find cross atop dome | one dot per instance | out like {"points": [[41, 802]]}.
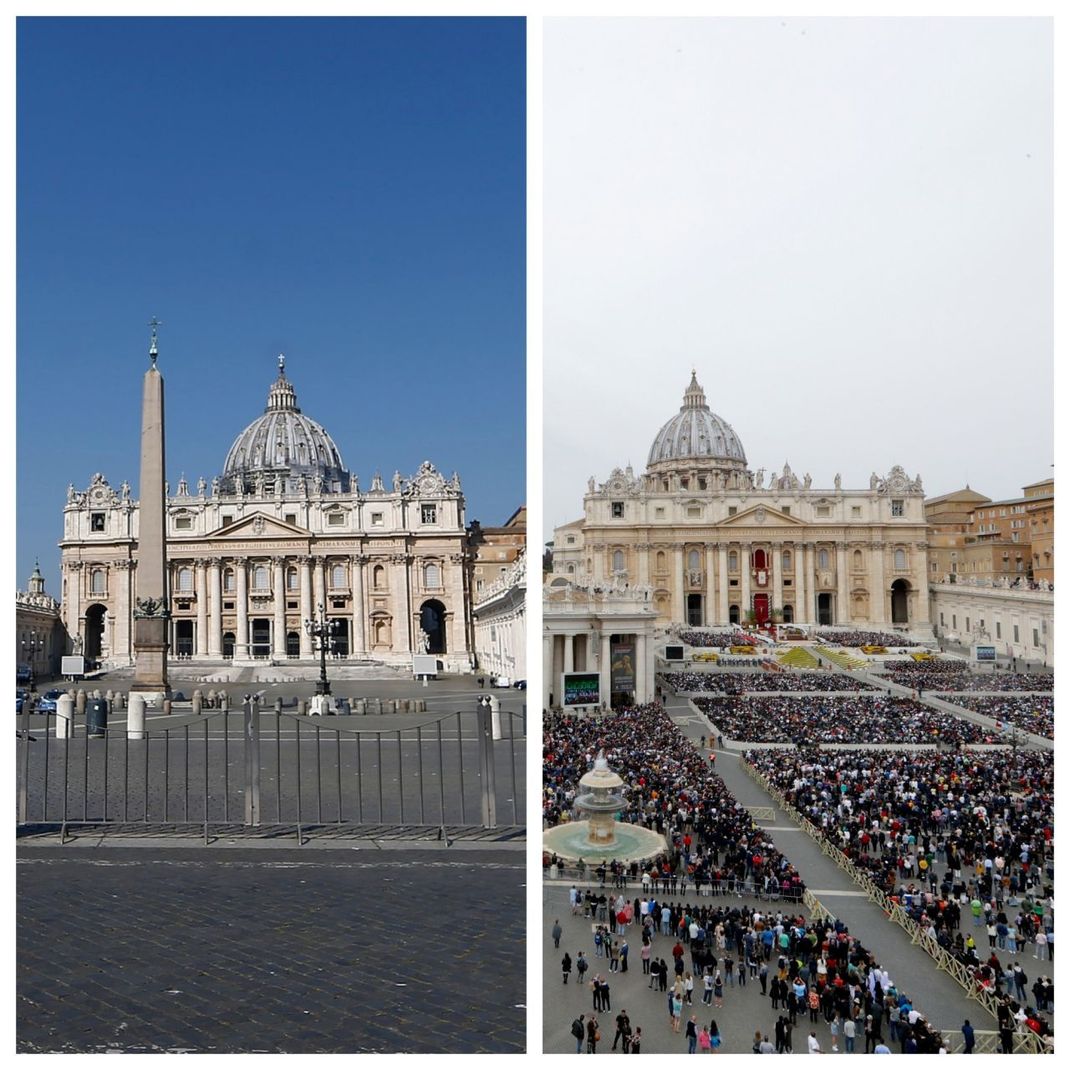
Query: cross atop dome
{"points": [[694, 397]]}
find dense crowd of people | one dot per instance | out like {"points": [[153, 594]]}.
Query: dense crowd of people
{"points": [[833, 637], [740, 683], [716, 639], [867, 718], [1032, 713], [712, 839], [956, 676]]}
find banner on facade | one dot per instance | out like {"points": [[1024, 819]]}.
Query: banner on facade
{"points": [[622, 666], [580, 689]]}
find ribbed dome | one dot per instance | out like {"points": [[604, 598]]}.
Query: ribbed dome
{"points": [[695, 433], [284, 442]]}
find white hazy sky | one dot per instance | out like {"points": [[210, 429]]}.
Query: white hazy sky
{"points": [[845, 226]]}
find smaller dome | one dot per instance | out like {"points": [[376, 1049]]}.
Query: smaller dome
{"points": [[695, 433]]}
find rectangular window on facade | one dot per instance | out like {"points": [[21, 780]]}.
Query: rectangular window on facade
{"points": [[897, 507], [731, 510], [291, 518], [336, 520], [226, 519], [428, 514], [1036, 637], [377, 520], [999, 630], [967, 624], [786, 510], [228, 605], [659, 510], [733, 583], [856, 510], [694, 510], [183, 523], [941, 620], [822, 510], [787, 583], [96, 521], [617, 509], [954, 620], [291, 605], [1016, 633]]}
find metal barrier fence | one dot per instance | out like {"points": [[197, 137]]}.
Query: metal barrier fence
{"points": [[268, 768], [895, 911]]}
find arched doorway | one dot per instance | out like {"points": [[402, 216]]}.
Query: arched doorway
{"points": [[94, 630], [789, 614], [433, 622], [228, 644], [733, 614], [824, 608], [293, 645], [900, 602]]}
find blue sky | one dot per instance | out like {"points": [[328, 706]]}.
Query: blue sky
{"points": [[349, 192]]}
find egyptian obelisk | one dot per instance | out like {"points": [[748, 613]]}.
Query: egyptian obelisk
{"points": [[152, 607]]}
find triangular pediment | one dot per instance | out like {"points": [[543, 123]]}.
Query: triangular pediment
{"points": [[762, 516], [259, 526]]}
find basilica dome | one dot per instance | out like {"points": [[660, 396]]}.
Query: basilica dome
{"points": [[285, 443], [696, 435]]}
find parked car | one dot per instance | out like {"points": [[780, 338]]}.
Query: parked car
{"points": [[521, 685], [47, 702], [21, 694]]}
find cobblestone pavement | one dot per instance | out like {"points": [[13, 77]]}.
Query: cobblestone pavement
{"points": [[143, 949]]}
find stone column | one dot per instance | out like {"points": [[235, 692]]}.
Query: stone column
{"points": [[200, 588], [799, 559], [843, 609], [359, 615], [215, 609], [641, 681], [318, 586], [458, 638], [123, 647], [152, 609], [710, 615], [597, 561], [722, 585], [548, 683], [604, 667], [678, 609], [744, 582], [776, 567], [643, 552], [72, 604], [878, 596], [306, 606], [241, 608], [402, 604], [919, 580], [278, 626], [570, 653]]}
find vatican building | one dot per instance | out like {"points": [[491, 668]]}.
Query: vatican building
{"points": [[709, 541], [283, 530]]}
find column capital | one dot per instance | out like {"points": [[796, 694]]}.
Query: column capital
{"points": [[124, 564], [278, 561], [359, 559]]}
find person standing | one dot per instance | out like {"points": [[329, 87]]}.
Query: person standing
{"points": [[566, 967], [967, 1038], [578, 1032], [813, 1045], [555, 932], [692, 1035], [849, 1029], [834, 1029], [593, 1036], [581, 967], [623, 1028], [637, 1040]]}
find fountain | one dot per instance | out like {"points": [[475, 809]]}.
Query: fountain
{"points": [[600, 837]]}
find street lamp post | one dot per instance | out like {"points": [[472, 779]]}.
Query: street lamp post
{"points": [[30, 649], [322, 630]]}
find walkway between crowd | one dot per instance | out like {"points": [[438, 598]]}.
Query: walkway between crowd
{"points": [[939, 997]]}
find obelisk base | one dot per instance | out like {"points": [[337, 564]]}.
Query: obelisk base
{"points": [[150, 658]]}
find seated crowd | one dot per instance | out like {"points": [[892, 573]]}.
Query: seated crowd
{"points": [[1035, 713], [868, 718], [671, 789], [858, 638], [716, 639], [741, 683], [956, 676]]}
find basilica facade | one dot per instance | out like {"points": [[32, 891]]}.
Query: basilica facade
{"points": [[283, 530], [714, 542]]}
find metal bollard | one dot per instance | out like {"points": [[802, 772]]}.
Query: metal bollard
{"points": [[302, 706], [167, 706], [79, 702]]}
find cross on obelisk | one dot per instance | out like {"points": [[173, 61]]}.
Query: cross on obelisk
{"points": [[152, 607]]}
